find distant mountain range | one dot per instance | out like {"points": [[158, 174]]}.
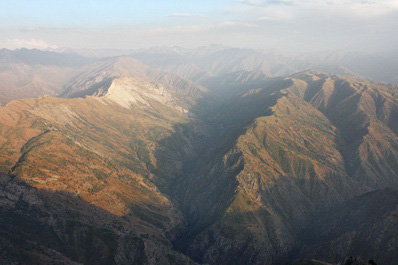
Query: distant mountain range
{"points": [[31, 73], [198, 64], [214, 155]]}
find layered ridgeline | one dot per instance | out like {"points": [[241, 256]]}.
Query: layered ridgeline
{"points": [[77, 174], [125, 81], [203, 64], [136, 166], [30, 73], [280, 154]]}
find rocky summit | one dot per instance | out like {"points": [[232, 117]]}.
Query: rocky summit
{"points": [[128, 164]]}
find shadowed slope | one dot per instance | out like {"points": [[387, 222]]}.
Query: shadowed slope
{"points": [[264, 174], [364, 226], [39, 226]]}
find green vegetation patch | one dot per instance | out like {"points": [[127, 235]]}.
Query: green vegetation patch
{"points": [[233, 224]]}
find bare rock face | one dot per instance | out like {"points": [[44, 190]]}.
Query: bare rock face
{"points": [[127, 82]]}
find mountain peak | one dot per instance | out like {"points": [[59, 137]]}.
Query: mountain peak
{"points": [[96, 77], [122, 65], [310, 72], [127, 82]]}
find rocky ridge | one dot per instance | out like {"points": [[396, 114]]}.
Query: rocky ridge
{"points": [[156, 168]]}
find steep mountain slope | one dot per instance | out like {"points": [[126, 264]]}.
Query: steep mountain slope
{"points": [[31, 73], [40, 226], [136, 166], [83, 173], [365, 226], [125, 81], [284, 152]]}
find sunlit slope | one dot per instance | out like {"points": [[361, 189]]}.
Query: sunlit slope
{"points": [[102, 153], [159, 166], [125, 81]]}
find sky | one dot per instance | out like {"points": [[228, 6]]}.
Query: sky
{"points": [[295, 25]]}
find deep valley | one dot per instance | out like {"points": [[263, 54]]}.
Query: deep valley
{"points": [[193, 163]]}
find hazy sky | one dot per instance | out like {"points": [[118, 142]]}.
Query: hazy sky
{"points": [[263, 24]]}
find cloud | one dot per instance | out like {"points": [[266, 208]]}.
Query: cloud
{"points": [[338, 10], [229, 23], [187, 15], [51, 30], [23, 43], [27, 29], [258, 3], [285, 24], [268, 18], [359, 8], [201, 28]]}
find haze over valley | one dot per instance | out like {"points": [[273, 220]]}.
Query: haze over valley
{"points": [[142, 145]]}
